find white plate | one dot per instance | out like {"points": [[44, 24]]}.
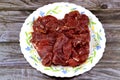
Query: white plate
{"points": [[97, 43]]}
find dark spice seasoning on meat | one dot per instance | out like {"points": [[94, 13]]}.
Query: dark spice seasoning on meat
{"points": [[62, 42]]}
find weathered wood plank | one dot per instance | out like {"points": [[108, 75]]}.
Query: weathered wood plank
{"points": [[112, 32], [10, 52], [13, 16], [22, 74], [20, 16], [34, 4], [11, 56], [32, 74], [9, 32], [111, 56], [9, 36], [108, 16], [10, 26]]}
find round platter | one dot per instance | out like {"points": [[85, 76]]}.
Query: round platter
{"points": [[59, 9]]}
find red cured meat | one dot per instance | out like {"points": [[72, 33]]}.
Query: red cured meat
{"points": [[57, 49], [62, 42]]}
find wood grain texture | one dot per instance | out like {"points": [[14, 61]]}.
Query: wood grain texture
{"points": [[33, 4], [13, 65], [11, 56], [105, 16], [9, 32], [32, 74]]}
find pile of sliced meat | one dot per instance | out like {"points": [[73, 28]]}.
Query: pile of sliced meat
{"points": [[62, 42]]}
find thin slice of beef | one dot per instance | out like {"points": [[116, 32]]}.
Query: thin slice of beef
{"points": [[58, 57], [47, 59], [67, 50]]}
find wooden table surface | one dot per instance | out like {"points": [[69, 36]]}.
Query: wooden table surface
{"points": [[13, 65]]}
